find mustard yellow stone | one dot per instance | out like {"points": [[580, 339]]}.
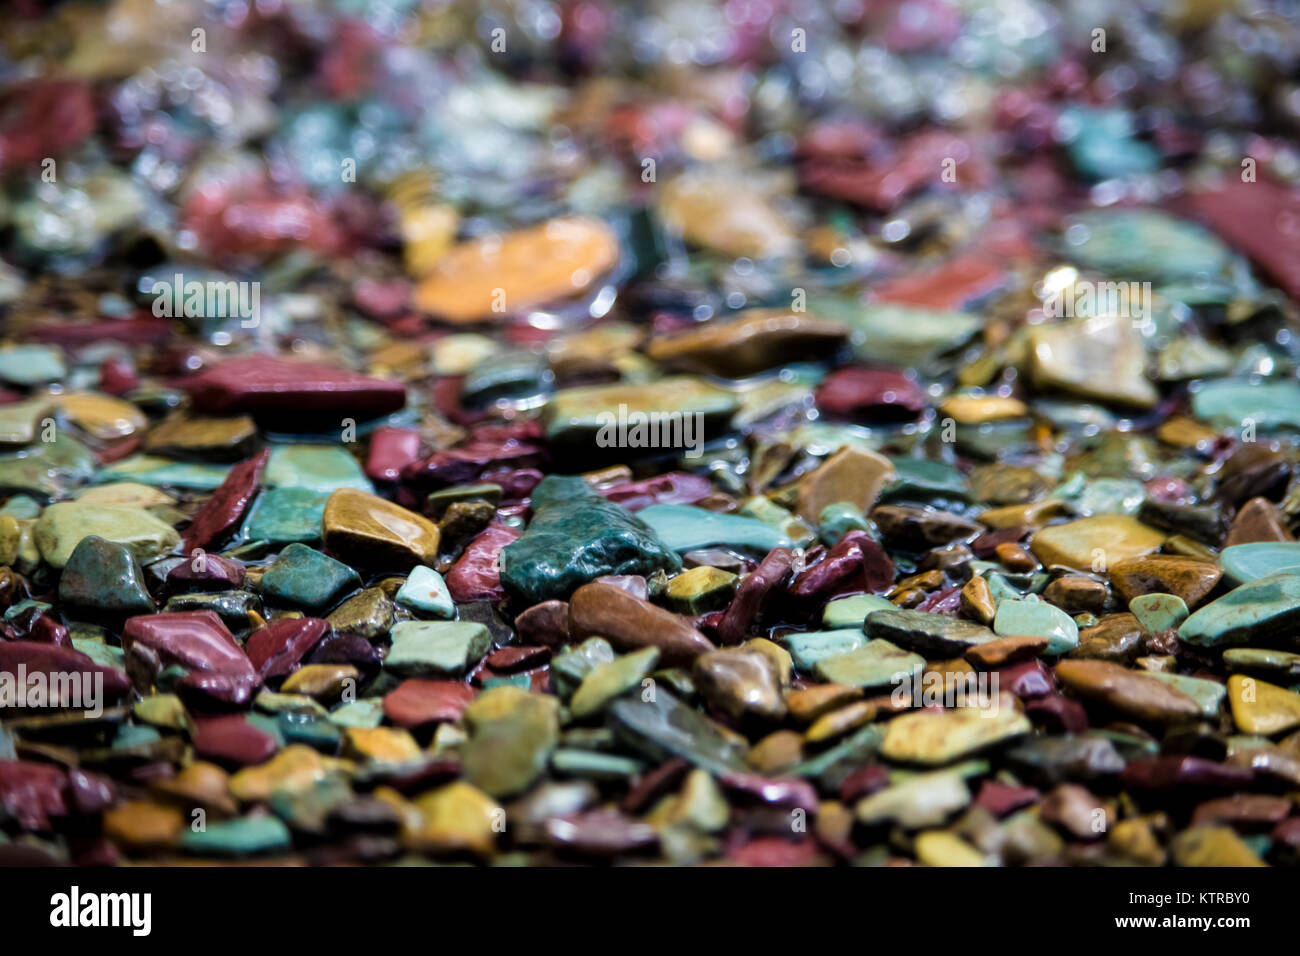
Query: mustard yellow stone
{"points": [[295, 767], [1096, 542], [102, 416], [455, 819], [941, 848], [362, 528], [324, 682], [976, 409], [1259, 707], [837, 722], [207, 437], [382, 744], [11, 534], [198, 784], [1015, 516], [143, 824]]}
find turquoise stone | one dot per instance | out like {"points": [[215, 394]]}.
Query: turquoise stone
{"points": [[1159, 612], [104, 576], [29, 365], [104, 654], [1101, 143], [426, 592], [837, 520], [323, 468], [425, 648], [852, 611], [664, 727], [367, 712], [285, 515], [303, 576], [576, 535], [21, 506], [593, 765], [1270, 404], [1247, 562], [314, 732], [919, 478], [808, 648], [1264, 608], [1208, 694], [1031, 617], [150, 470], [1144, 244], [242, 837], [876, 665], [685, 528]]}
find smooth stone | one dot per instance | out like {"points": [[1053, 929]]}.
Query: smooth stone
{"points": [[664, 727], [1158, 612], [207, 439], [1259, 707], [851, 612], [433, 648], [143, 825], [1249, 562], [935, 738], [940, 848], [579, 416], [54, 662], [324, 682], [296, 767], [1256, 612], [746, 610], [1270, 404], [1032, 617], [1208, 694], [47, 470], [1079, 544], [837, 520], [683, 528], [609, 680], [199, 642], [263, 384], [754, 340], [418, 702], [1102, 143], [977, 409], [102, 417], [20, 421], [1139, 695], [1101, 358], [700, 590], [124, 494], [425, 592], [1006, 650], [575, 536], [1145, 244], [390, 745], [104, 576], [570, 669], [733, 216], [233, 740], [246, 836], [285, 515], [456, 818], [512, 733], [62, 526], [741, 682], [210, 573], [221, 514], [1187, 578], [303, 576], [368, 530], [807, 648], [853, 475], [977, 601], [1257, 521], [235, 608], [902, 335], [1210, 846], [321, 468], [920, 801], [604, 610], [437, 503], [931, 635], [276, 649], [869, 395], [876, 665], [164, 472], [29, 365]]}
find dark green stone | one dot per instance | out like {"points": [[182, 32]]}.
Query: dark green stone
{"points": [[104, 576], [665, 727], [304, 576]]}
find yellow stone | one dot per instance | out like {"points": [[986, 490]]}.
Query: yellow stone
{"points": [[756, 340], [1212, 846], [382, 744], [1100, 358], [780, 659], [1183, 432], [1016, 516], [976, 409], [11, 534], [366, 529], [457, 354], [324, 682], [730, 214], [777, 752], [20, 421], [1096, 542], [930, 737], [1259, 707], [851, 474], [198, 784], [841, 721], [456, 818], [124, 494], [809, 703], [295, 767], [102, 416], [179, 434], [143, 824], [941, 848], [494, 276]]}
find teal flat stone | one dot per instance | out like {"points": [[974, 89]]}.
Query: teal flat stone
{"points": [[367, 712], [1134, 244], [931, 635], [1031, 617], [310, 730], [101, 653], [665, 727], [285, 515], [876, 665], [323, 468], [1248, 562], [1255, 612], [243, 837], [150, 470], [1101, 143], [852, 611], [29, 365], [1281, 664], [21, 506], [897, 334], [1159, 612], [837, 520], [104, 576], [575, 536], [426, 592], [593, 765], [685, 528], [852, 752], [808, 648], [921, 479], [522, 681], [1270, 404], [47, 470], [303, 576], [428, 648], [1208, 694]]}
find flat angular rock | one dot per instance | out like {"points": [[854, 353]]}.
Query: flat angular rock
{"points": [[267, 385], [931, 635], [1262, 610], [430, 648], [603, 610]]}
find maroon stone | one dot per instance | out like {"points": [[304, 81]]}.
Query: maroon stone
{"points": [[52, 660], [265, 383], [1245, 811], [476, 576], [986, 545], [1159, 773], [418, 701], [231, 740], [200, 642], [1029, 679], [517, 657], [674, 488], [1262, 219], [117, 376], [863, 782], [91, 792], [1000, 799], [746, 607], [1057, 714], [944, 601], [347, 649], [43, 117], [276, 649], [774, 851], [546, 623], [650, 786], [221, 514], [516, 485], [469, 462], [1288, 832], [46, 630], [952, 285], [857, 563], [391, 450], [31, 793], [215, 574], [870, 394]]}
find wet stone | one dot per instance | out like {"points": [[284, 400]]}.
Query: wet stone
{"points": [[428, 648], [307, 578]]}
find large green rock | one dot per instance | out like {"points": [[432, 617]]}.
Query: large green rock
{"points": [[62, 526], [303, 576], [1256, 612], [103, 576], [576, 536]]}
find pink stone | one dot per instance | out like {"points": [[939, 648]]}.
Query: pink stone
{"points": [[117, 376], [215, 574], [1260, 218], [951, 285], [231, 740], [1028, 679], [476, 576], [276, 649], [391, 450], [50, 659], [1000, 799], [418, 701], [31, 793], [873, 394], [221, 514]]}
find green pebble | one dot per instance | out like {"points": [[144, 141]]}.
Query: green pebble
{"points": [[284, 515], [1159, 612], [425, 592], [303, 576], [424, 648], [1032, 617], [686, 528], [242, 837]]}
